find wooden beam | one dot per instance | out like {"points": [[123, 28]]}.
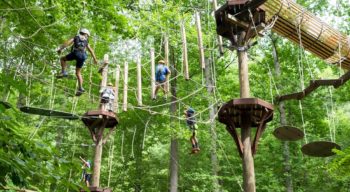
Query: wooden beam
{"points": [[314, 84]]}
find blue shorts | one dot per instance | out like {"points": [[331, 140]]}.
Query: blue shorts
{"points": [[78, 56], [88, 178]]}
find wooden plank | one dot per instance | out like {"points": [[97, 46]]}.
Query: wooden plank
{"points": [[48, 112], [314, 84]]}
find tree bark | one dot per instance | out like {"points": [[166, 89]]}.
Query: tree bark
{"points": [[213, 157], [247, 160], [99, 134], [97, 160], [174, 144], [283, 121]]}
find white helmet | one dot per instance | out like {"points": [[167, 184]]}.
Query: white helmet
{"points": [[85, 31]]}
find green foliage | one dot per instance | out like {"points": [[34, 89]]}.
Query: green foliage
{"points": [[42, 153]]}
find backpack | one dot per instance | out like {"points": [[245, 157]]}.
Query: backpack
{"points": [[80, 43], [160, 73]]}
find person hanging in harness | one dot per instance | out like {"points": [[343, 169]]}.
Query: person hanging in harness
{"points": [[191, 123], [162, 76], [78, 53], [87, 171], [107, 97]]}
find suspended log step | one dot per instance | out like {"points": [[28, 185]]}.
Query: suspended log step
{"points": [[320, 148], [48, 112], [314, 84], [97, 118], [239, 111], [6, 104], [288, 133], [97, 189]]}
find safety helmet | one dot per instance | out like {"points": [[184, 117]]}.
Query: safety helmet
{"points": [[85, 31], [110, 84], [161, 61]]}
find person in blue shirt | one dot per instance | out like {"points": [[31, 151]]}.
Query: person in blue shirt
{"points": [[191, 123], [78, 53], [162, 74]]}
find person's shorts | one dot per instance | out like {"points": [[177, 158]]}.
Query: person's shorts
{"points": [[78, 56], [160, 83], [88, 178]]}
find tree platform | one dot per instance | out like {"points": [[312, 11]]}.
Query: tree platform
{"points": [[252, 110], [96, 118]]}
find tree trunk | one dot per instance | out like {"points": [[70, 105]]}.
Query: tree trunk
{"points": [[173, 145], [248, 161], [283, 121], [97, 160], [213, 157]]}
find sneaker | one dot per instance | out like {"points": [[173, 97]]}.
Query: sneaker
{"points": [[62, 75], [79, 92]]}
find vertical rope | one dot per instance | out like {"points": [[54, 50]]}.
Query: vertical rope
{"points": [[332, 114], [302, 119]]}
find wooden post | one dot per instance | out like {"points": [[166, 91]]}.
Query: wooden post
{"points": [[173, 144], [166, 58], [99, 133], [247, 160], [139, 82], [200, 40], [221, 49], [117, 78], [103, 83], [125, 94], [184, 51], [153, 72]]}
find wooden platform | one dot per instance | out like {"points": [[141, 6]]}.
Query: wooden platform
{"points": [[253, 110], [320, 148], [234, 17], [6, 104], [314, 84], [97, 118], [97, 189], [48, 112], [288, 133]]}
